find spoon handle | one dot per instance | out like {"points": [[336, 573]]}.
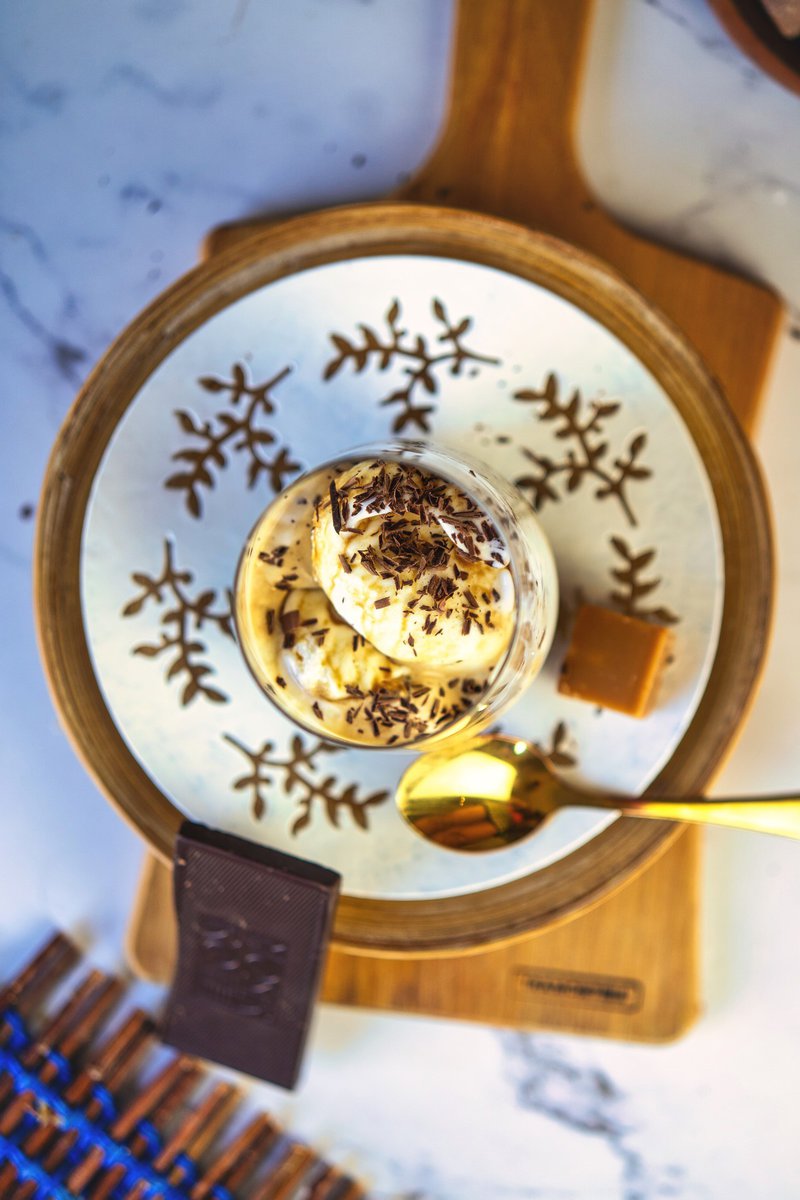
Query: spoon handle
{"points": [[772, 814]]}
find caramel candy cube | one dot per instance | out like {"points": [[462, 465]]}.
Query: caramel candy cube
{"points": [[613, 660]]}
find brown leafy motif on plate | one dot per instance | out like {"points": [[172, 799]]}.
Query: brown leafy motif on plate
{"points": [[299, 776], [424, 363], [632, 588], [586, 449], [182, 619], [237, 429]]}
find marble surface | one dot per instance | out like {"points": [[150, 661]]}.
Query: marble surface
{"points": [[125, 132]]}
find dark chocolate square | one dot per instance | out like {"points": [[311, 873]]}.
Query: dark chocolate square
{"points": [[253, 928]]}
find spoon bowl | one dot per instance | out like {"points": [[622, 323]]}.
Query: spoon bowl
{"points": [[493, 791]]}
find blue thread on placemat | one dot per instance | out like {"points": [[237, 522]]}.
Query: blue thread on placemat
{"points": [[89, 1133], [101, 1096], [188, 1169], [28, 1122], [27, 1170], [63, 1069], [19, 1038], [89, 1136], [151, 1138]]}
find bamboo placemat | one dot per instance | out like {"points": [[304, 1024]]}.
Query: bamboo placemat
{"points": [[91, 1106]]}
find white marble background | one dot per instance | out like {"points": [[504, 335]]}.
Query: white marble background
{"points": [[126, 130]]}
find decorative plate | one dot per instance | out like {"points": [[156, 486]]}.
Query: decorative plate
{"points": [[310, 363]]}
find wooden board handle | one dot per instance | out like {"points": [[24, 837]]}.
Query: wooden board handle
{"points": [[507, 148]]}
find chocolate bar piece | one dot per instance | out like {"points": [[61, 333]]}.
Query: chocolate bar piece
{"points": [[253, 928]]}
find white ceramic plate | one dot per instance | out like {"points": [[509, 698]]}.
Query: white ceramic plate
{"points": [[358, 351]]}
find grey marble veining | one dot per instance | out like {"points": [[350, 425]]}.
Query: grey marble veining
{"points": [[553, 1080], [125, 138], [708, 159], [692, 19]]}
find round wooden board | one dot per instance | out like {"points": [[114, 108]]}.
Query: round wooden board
{"points": [[460, 923]]}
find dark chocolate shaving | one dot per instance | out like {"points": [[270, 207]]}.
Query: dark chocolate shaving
{"points": [[273, 557], [336, 515]]}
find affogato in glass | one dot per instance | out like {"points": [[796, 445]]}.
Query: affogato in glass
{"points": [[396, 597]]}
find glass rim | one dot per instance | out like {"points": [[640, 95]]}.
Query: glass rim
{"points": [[400, 450]]}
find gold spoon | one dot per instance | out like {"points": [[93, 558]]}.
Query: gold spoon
{"points": [[496, 790]]}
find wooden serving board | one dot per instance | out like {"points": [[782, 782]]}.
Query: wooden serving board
{"points": [[626, 966]]}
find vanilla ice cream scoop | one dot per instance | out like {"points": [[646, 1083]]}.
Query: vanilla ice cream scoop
{"points": [[325, 657], [415, 567]]}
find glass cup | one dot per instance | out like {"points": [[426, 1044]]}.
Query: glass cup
{"points": [[268, 574]]}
